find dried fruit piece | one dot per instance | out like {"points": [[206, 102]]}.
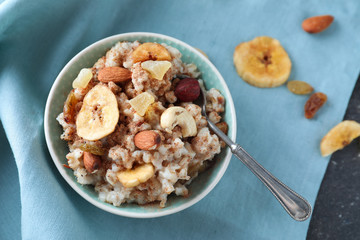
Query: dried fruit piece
{"points": [[150, 51], [147, 140], [92, 148], [114, 74], [99, 114], [178, 116], [187, 90], [339, 136], [141, 102], [92, 162], [83, 79], [133, 177], [223, 127], [314, 103], [198, 167], [157, 69], [299, 87], [317, 24], [262, 62], [69, 107], [153, 114]]}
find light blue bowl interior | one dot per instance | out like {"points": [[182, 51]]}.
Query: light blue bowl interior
{"points": [[87, 60]]}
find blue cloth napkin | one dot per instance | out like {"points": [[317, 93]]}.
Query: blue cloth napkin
{"points": [[37, 38]]}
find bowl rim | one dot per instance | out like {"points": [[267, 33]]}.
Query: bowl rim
{"points": [[119, 210]]}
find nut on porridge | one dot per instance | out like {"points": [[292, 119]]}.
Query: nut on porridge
{"points": [[132, 128]]}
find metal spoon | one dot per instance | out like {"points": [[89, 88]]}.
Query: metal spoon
{"points": [[295, 205]]}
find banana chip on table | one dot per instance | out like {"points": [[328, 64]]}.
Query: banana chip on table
{"points": [[339, 137], [262, 62]]}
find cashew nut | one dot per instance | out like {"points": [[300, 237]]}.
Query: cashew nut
{"points": [[178, 116]]}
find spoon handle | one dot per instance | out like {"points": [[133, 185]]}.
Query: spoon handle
{"points": [[295, 205]]}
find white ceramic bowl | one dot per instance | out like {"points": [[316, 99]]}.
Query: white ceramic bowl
{"points": [[199, 188]]}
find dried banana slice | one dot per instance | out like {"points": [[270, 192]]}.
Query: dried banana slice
{"points": [[339, 137], [151, 51], [133, 177], [262, 62], [99, 114]]}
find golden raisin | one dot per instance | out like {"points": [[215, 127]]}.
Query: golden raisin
{"points": [[95, 149], [299, 87], [69, 107], [314, 103]]}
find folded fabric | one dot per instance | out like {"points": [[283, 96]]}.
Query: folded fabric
{"points": [[37, 38]]}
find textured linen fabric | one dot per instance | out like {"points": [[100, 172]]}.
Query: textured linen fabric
{"points": [[37, 38]]}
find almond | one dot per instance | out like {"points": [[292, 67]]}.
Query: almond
{"points": [[147, 140], [317, 24], [91, 162], [114, 74]]}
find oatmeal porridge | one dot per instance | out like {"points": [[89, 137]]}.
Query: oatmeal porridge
{"points": [[132, 128]]}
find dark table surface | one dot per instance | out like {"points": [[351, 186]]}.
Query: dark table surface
{"points": [[337, 209]]}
